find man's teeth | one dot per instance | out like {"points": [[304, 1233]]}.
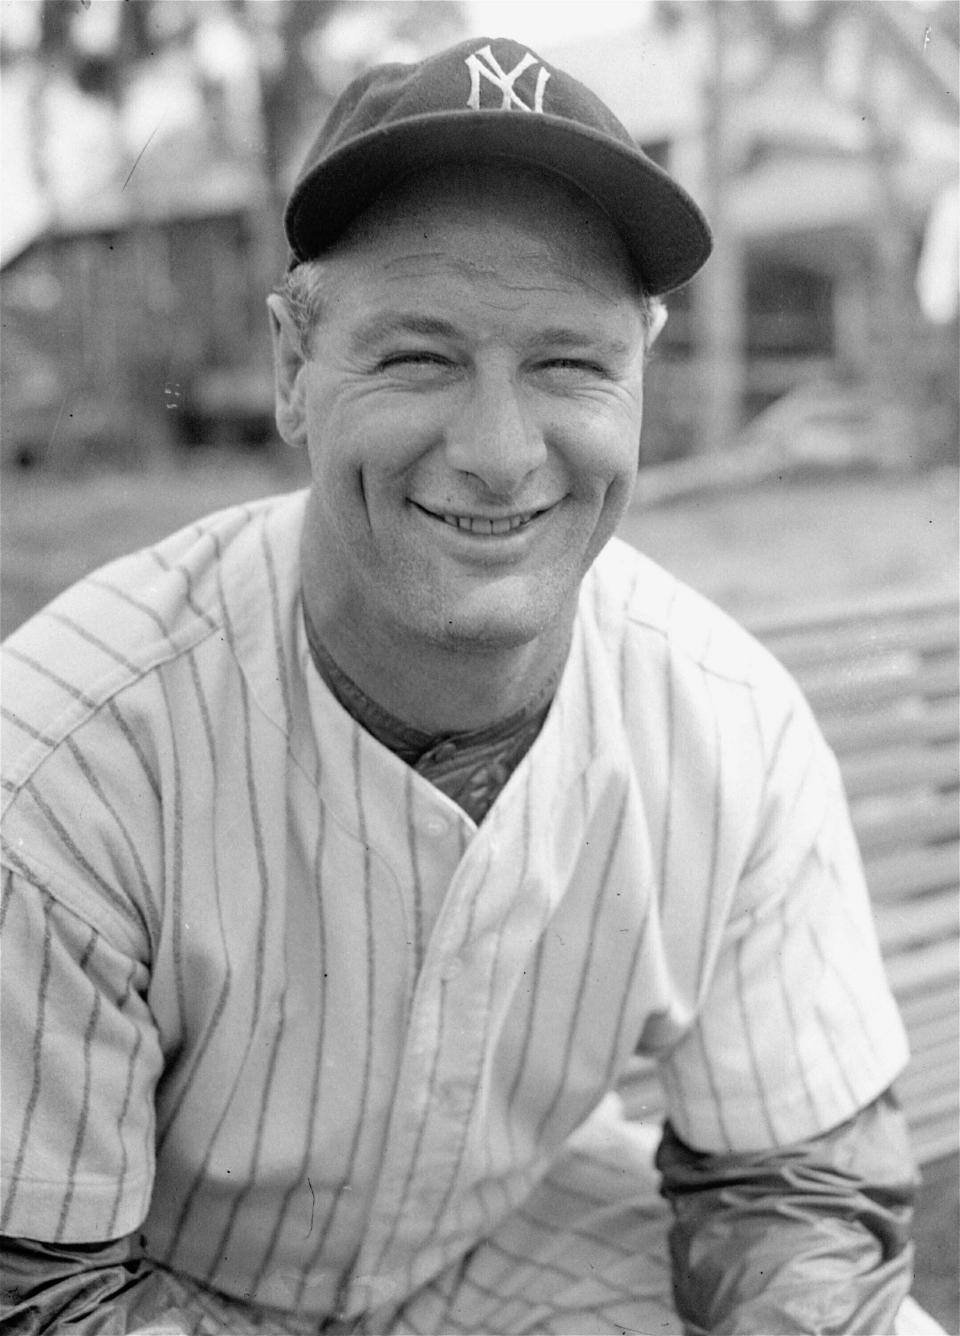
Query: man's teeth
{"points": [[473, 525]]}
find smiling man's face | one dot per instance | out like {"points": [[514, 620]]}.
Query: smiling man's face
{"points": [[471, 403]]}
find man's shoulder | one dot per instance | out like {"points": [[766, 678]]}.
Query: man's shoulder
{"points": [[127, 619], [633, 599]]}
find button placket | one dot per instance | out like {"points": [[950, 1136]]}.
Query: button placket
{"points": [[424, 1143]]}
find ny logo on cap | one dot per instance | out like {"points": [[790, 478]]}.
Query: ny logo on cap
{"points": [[483, 64]]}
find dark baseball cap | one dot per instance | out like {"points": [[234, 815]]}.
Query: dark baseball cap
{"points": [[491, 98]]}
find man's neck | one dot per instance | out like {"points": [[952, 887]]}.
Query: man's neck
{"points": [[439, 688]]}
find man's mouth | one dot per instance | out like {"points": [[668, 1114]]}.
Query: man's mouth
{"points": [[484, 524], [477, 524]]}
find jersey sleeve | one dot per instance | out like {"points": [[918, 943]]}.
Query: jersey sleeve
{"points": [[80, 1063], [796, 1028]]}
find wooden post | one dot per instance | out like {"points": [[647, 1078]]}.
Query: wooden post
{"points": [[719, 290]]}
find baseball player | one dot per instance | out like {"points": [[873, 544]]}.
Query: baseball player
{"points": [[357, 839]]}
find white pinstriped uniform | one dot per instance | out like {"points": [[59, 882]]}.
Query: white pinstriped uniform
{"points": [[366, 1026]]}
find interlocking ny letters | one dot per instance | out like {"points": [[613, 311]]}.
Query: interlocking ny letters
{"points": [[483, 64]]}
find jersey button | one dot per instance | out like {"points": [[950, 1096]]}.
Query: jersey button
{"points": [[436, 825]]}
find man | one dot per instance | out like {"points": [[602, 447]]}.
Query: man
{"points": [[356, 840]]}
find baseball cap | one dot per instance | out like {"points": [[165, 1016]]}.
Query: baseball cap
{"points": [[491, 98]]}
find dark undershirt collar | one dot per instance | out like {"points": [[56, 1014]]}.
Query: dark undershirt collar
{"points": [[470, 766]]}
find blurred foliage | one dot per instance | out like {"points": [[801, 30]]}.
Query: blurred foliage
{"points": [[784, 23], [156, 142], [100, 44]]}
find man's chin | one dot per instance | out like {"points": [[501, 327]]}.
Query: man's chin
{"points": [[486, 635], [483, 626]]}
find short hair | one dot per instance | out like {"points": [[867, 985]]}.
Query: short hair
{"points": [[301, 291], [304, 285]]}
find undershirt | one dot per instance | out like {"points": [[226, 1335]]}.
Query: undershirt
{"points": [[470, 766]]}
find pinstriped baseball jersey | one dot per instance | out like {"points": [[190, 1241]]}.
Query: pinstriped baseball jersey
{"points": [[283, 1006]]}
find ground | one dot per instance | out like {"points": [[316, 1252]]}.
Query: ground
{"points": [[795, 542]]}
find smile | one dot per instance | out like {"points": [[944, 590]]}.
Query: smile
{"points": [[475, 524], [482, 524]]}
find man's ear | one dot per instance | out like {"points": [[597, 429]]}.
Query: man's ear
{"points": [[288, 382], [658, 318]]}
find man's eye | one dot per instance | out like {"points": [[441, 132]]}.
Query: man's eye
{"points": [[414, 362], [576, 366]]}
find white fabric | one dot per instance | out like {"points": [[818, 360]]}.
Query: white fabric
{"points": [[366, 1026], [912, 1320]]}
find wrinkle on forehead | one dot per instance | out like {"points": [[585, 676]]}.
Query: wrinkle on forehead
{"points": [[558, 232], [558, 277]]}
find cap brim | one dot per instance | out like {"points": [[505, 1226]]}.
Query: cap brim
{"points": [[666, 234]]}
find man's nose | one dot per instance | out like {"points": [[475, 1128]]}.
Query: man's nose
{"points": [[495, 437]]}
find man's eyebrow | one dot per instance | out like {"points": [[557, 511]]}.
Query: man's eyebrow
{"points": [[389, 323], [564, 337]]}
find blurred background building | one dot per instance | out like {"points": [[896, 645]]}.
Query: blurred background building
{"points": [[148, 148]]}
